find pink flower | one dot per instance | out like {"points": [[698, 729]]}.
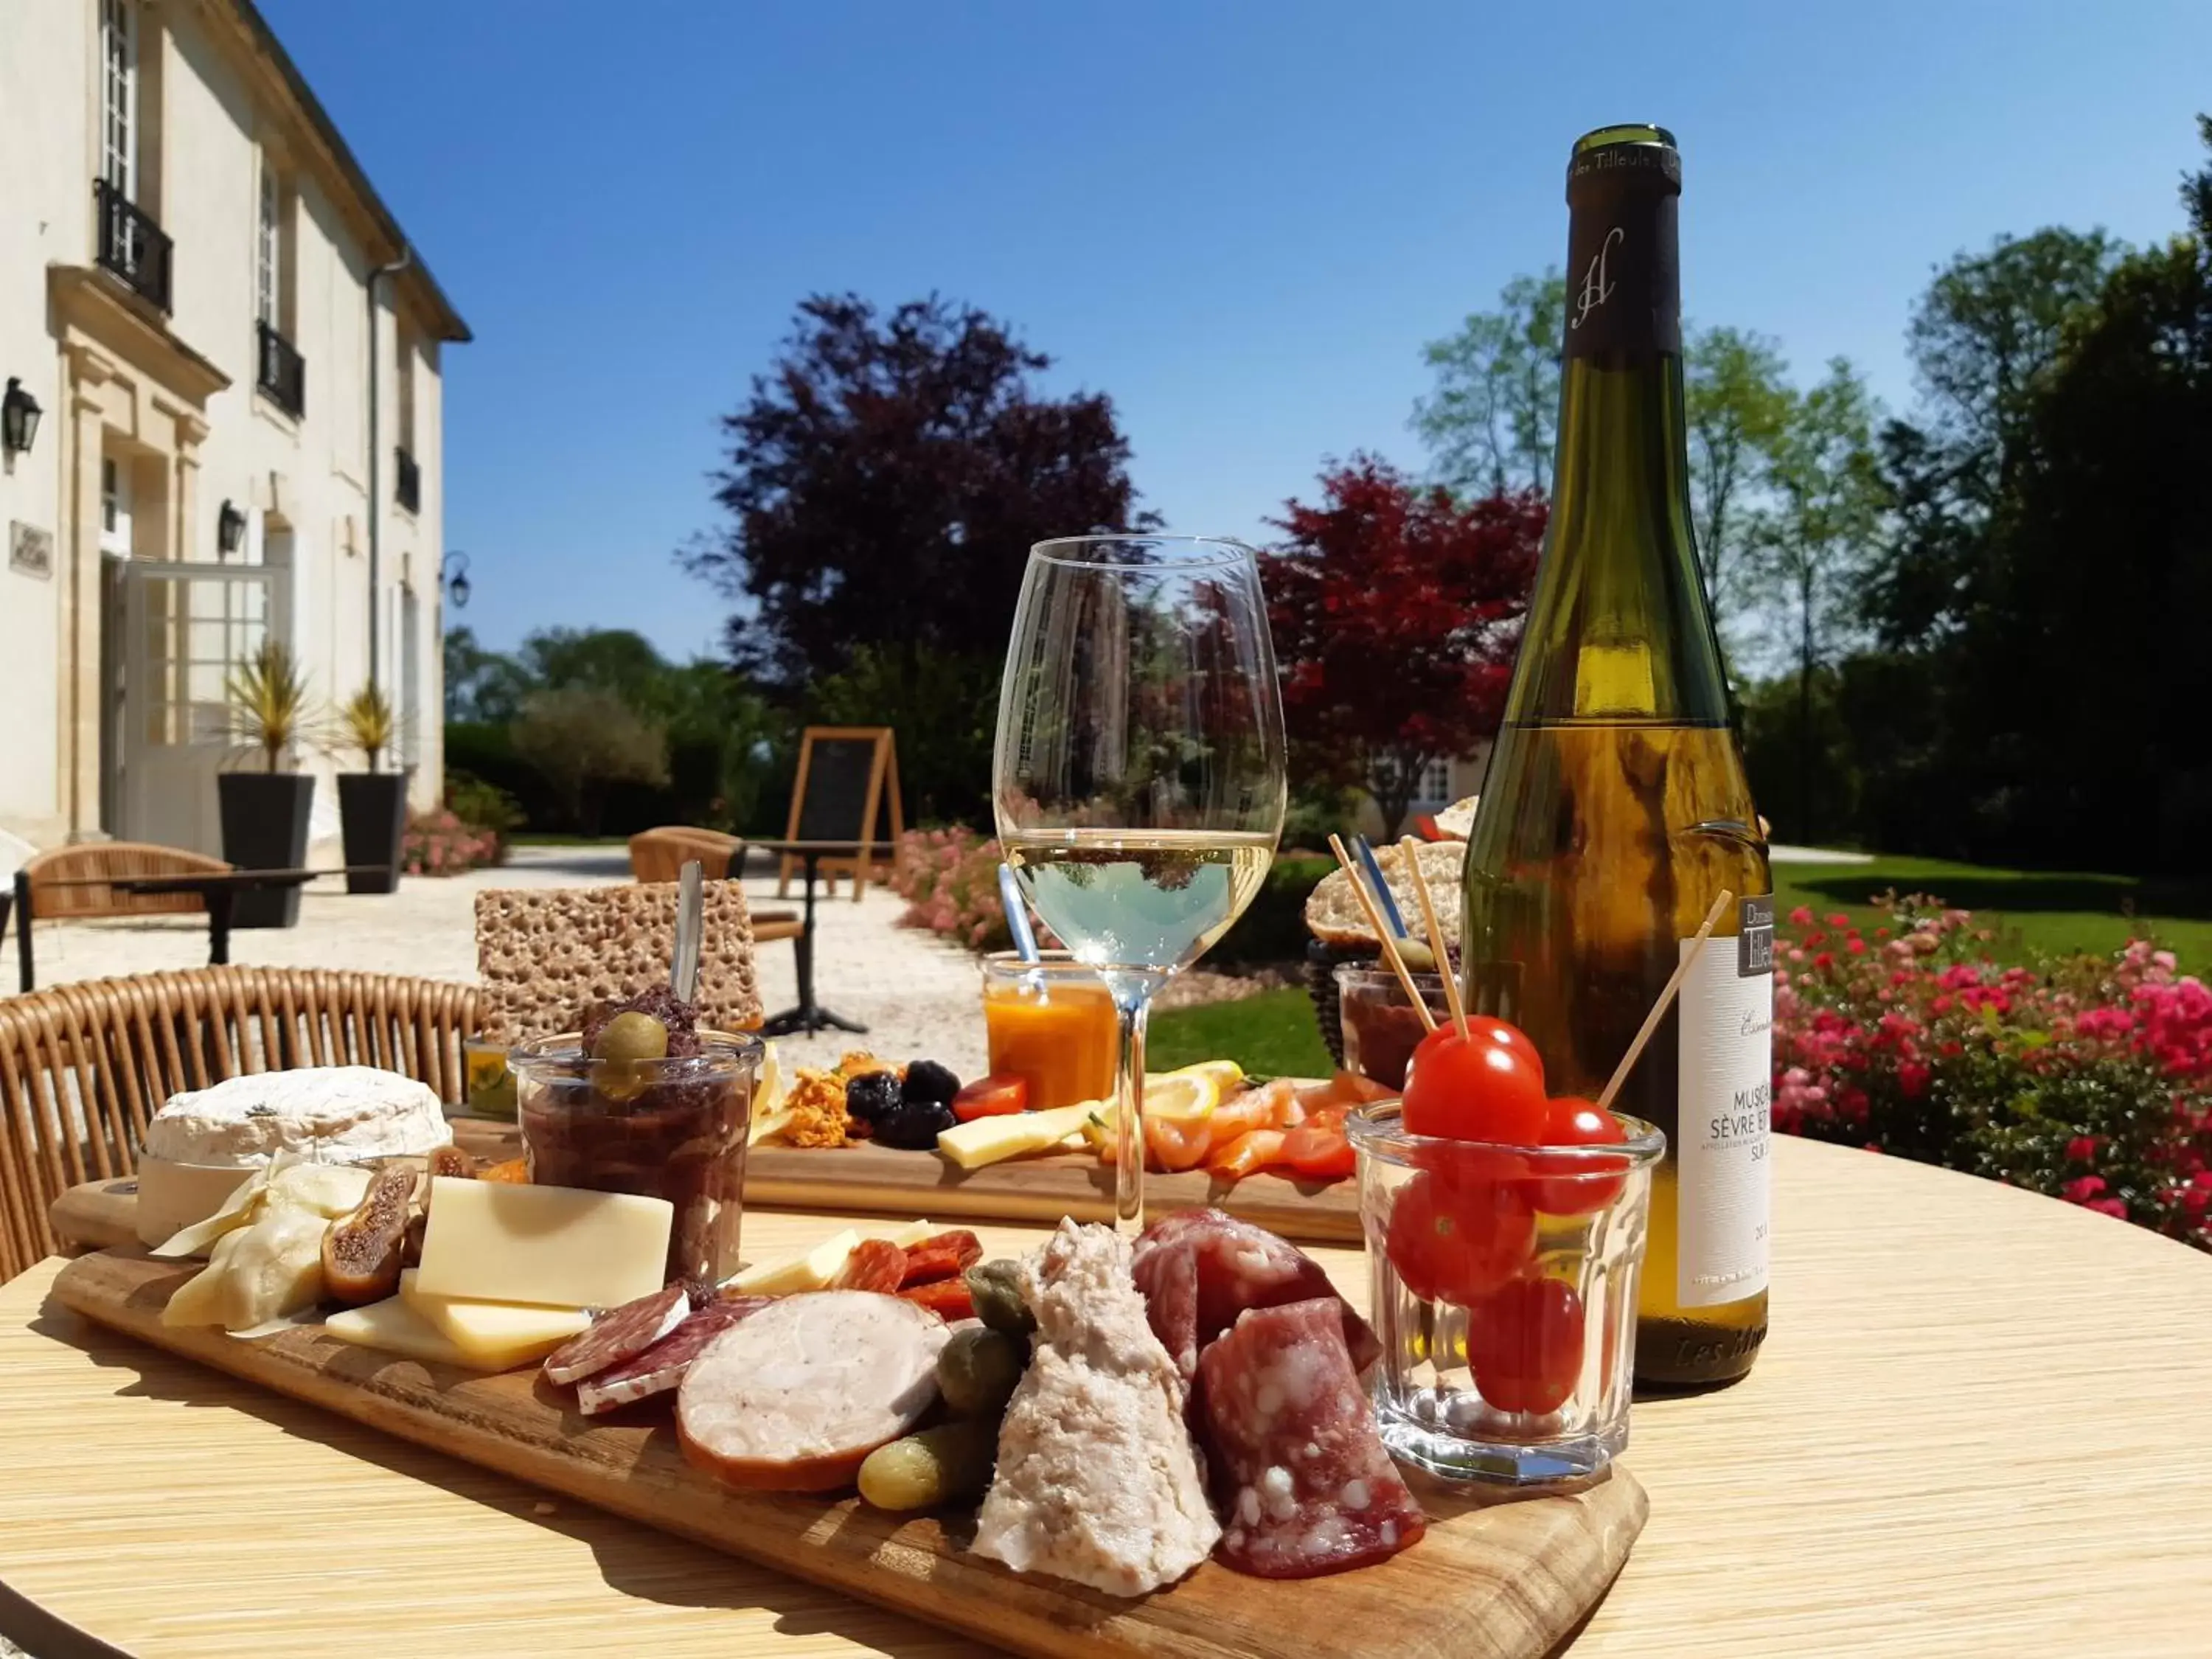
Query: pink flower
{"points": [[1840, 920], [2111, 1206], [2083, 1149], [2083, 1189], [1802, 916]]}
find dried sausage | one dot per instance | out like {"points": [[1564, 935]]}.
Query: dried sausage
{"points": [[1200, 1269], [618, 1335], [941, 1255], [950, 1299], [660, 1368], [876, 1264]]}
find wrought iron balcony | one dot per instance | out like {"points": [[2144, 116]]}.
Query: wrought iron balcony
{"points": [[407, 481], [131, 244], [280, 372]]}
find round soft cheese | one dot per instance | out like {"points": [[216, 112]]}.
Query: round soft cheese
{"points": [[333, 1114]]}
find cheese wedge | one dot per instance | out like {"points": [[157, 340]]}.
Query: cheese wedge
{"points": [[810, 1272], [992, 1140], [557, 1247], [393, 1326], [492, 1331], [913, 1233]]}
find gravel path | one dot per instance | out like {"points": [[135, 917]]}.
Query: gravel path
{"points": [[917, 996]]}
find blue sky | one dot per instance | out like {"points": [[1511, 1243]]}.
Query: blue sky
{"points": [[1240, 220]]}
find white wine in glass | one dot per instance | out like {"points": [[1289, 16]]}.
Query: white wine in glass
{"points": [[1138, 781]]}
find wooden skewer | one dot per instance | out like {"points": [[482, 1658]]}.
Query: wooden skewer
{"points": [[1666, 1000], [1382, 932], [1406, 849]]}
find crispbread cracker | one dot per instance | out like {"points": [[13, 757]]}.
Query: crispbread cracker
{"points": [[1456, 822], [546, 954], [1333, 911]]}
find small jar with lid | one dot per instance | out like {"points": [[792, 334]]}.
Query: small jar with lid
{"points": [[673, 1129]]}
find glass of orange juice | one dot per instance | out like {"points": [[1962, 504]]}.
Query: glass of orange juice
{"points": [[1051, 1023]]}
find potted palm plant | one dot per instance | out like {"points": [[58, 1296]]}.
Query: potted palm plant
{"points": [[372, 804], [264, 814]]}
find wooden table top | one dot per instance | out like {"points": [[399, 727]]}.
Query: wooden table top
{"points": [[1978, 1429]]}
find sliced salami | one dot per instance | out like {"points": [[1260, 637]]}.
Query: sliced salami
{"points": [[660, 1368], [619, 1335], [1200, 1269], [1300, 1474], [876, 1264], [941, 1255]]}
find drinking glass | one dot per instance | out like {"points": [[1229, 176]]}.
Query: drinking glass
{"points": [[1138, 780]]}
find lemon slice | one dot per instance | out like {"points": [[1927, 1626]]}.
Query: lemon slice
{"points": [[1227, 1072], [1186, 1096]]}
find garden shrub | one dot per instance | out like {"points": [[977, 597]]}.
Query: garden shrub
{"points": [[437, 843], [2087, 1078]]}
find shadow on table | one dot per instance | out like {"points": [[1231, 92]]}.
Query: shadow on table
{"points": [[633, 1557]]}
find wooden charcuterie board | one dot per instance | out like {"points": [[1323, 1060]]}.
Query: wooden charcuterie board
{"points": [[1502, 1580], [873, 1180]]}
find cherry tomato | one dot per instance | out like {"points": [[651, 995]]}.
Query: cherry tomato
{"points": [[1578, 1186], [1474, 1088], [1487, 1030], [1458, 1241], [1318, 1151], [1525, 1344], [999, 1095]]}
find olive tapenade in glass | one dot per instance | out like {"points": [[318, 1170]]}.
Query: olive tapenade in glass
{"points": [[642, 1101]]}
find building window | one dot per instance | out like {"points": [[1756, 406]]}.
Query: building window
{"points": [[114, 506], [269, 251], [1435, 781], [118, 80]]}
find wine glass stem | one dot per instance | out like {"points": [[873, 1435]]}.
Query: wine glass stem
{"points": [[1132, 999]]}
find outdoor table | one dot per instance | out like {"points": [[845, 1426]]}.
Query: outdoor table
{"points": [[808, 1016], [1978, 1429], [218, 891]]}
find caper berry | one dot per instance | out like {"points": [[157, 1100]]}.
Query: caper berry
{"points": [[977, 1369], [996, 1289]]}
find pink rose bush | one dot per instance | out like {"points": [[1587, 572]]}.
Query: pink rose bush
{"points": [[437, 843], [950, 880], [2088, 1077]]}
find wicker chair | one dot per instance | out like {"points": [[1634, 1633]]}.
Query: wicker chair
{"points": [[89, 863], [661, 854], [83, 1066]]}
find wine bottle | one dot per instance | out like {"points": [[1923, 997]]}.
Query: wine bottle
{"points": [[1615, 809]]}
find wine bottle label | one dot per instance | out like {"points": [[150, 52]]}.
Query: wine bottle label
{"points": [[1726, 1082], [1624, 262]]}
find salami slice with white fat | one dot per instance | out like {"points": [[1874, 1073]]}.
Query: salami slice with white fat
{"points": [[1300, 1474], [660, 1368], [1200, 1269], [618, 1335], [793, 1398]]}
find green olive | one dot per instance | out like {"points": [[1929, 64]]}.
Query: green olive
{"points": [[628, 1038], [1417, 956], [949, 1464], [996, 1290], [977, 1370]]}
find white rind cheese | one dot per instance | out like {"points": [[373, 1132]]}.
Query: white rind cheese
{"points": [[333, 1114]]}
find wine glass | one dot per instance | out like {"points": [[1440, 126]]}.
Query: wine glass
{"points": [[1138, 780]]}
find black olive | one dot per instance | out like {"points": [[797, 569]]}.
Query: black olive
{"points": [[915, 1125], [927, 1080], [872, 1096]]}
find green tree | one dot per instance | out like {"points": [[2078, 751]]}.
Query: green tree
{"points": [[1737, 405], [944, 759], [1818, 534], [481, 684], [1493, 420], [583, 739]]}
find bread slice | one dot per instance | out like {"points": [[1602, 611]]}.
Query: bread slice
{"points": [[1457, 820], [1333, 911]]}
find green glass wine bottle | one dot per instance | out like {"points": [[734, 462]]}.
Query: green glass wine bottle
{"points": [[1615, 809]]}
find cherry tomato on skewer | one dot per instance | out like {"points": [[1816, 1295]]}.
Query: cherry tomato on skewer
{"points": [[1578, 1186], [1487, 1085], [1525, 1344], [1456, 1239]]}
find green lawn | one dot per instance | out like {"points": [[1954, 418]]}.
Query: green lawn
{"points": [[2033, 911], [1273, 1034]]}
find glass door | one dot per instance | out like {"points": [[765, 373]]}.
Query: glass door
{"points": [[185, 629]]}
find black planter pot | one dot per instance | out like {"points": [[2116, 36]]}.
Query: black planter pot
{"points": [[265, 827], [372, 819]]}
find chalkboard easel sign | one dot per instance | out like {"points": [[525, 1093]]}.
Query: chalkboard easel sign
{"points": [[847, 786]]}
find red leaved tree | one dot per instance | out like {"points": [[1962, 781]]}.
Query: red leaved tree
{"points": [[1397, 611]]}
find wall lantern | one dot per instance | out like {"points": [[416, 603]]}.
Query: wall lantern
{"points": [[230, 529], [455, 574], [19, 419]]}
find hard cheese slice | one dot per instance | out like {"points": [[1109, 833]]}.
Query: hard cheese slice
{"points": [[550, 1246], [488, 1330], [394, 1327], [811, 1272]]}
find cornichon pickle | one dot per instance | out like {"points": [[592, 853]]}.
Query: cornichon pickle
{"points": [[977, 1369], [996, 1290], [949, 1464]]}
